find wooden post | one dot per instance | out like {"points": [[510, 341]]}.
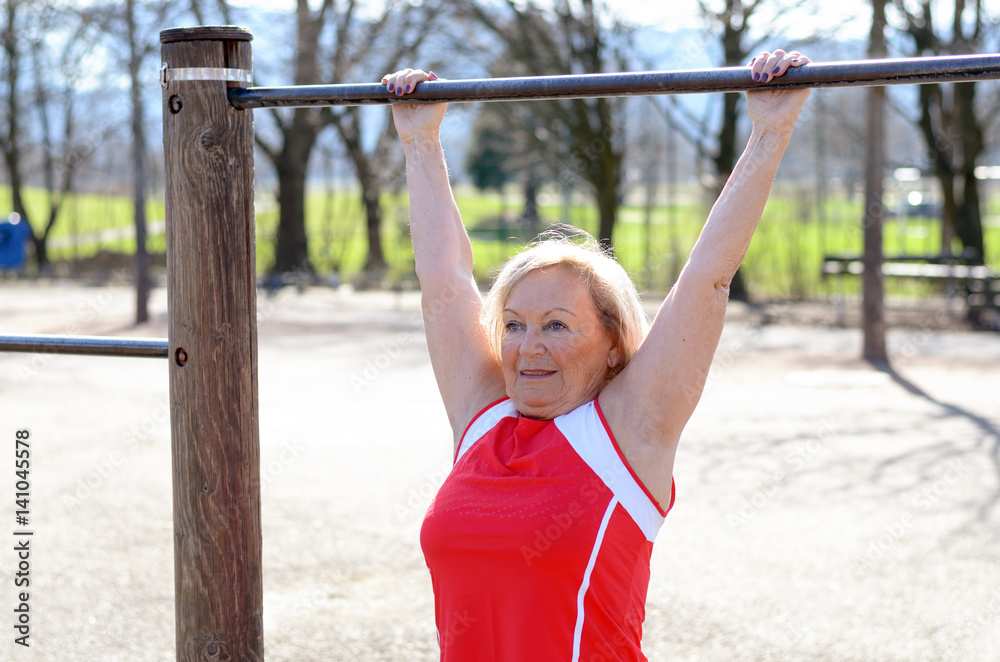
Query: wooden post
{"points": [[208, 147]]}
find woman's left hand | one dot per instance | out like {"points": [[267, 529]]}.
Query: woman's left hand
{"points": [[777, 110]]}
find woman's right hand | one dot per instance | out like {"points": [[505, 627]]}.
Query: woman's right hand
{"points": [[777, 110], [413, 120]]}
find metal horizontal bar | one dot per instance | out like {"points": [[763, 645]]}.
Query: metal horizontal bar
{"points": [[88, 345], [899, 71]]}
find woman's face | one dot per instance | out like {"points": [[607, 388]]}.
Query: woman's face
{"points": [[554, 350]]}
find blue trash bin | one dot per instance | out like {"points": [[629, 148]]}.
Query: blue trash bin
{"points": [[13, 243]]}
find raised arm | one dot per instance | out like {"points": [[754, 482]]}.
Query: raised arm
{"points": [[467, 374], [652, 399]]}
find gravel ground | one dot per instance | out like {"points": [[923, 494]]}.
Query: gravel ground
{"points": [[825, 510]]}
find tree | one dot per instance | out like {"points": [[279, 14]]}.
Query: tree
{"points": [[11, 139], [222, 8], [137, 52], [950, 122], [334, 43], [735, 22], [732, 22], [297, 131], [380, 46], [49, 106], [584, 135], [873, 287], [508, 144], [140, 42], [60, 157], [488, 161]]}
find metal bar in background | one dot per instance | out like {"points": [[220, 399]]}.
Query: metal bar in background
{"points": [[899, 71], [88, 345]]}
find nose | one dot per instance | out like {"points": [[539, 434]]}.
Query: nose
{"points": [[531, 343]]}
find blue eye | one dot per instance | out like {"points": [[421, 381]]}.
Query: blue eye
{"points": [[511, 326], [557, 325]]}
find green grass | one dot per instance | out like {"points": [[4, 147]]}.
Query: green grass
{"points": [[83, 216], [335, 226], [783, 261]]}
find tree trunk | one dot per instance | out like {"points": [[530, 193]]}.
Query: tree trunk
{"points": [[291, 251], [11, 143], [42, 102], [40, 246], [725, 157], [949, 208], [605, 176], [347, 124], [953, 132], [371, 190], [142, 277], [873, 287], [968, 220], [530, 216], [735, 25]]}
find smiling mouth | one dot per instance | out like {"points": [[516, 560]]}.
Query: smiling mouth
{"points": [[537, 373]]}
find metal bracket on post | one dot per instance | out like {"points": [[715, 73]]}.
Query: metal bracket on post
{"points": [[167, 74]]}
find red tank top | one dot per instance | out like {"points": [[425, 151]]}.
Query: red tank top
{"points": [[538, 542]]}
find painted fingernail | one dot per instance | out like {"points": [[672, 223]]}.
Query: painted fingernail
{"points": [[763, 77], [776, 70], [391, 87], [756, 77], [407, 89]]}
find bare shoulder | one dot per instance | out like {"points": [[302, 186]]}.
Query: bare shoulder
{"points": [[657, 392], [466, 369], [641, 438], [477, 403], [649, 403]]}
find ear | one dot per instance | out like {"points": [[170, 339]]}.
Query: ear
{"points": [[614, 357]]}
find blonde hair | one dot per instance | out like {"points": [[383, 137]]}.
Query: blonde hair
{"points": [[612, 291]]}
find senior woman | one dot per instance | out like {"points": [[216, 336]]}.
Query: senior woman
{"points": [[566, 406]]}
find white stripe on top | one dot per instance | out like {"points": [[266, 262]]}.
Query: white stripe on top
{"points": [[585, 584], [483, 423], [586, 433]]}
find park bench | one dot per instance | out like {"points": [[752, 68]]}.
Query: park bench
{"points": [[978, 284]]}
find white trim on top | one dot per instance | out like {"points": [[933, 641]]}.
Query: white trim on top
{"points": [[585, 584], [586, 433], [483, 423]]}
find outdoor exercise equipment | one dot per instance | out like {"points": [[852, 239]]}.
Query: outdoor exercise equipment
{"points": [[88, 345], [900, 71], [211, 280]]}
